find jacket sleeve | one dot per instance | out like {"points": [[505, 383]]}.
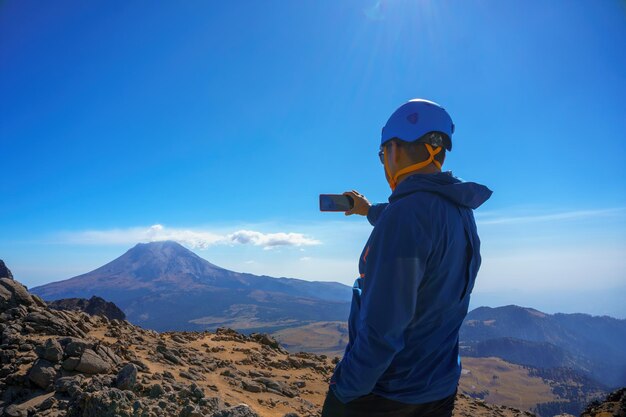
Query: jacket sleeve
{"points": [[374, 212], [393, 272]]}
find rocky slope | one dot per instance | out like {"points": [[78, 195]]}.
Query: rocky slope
{"points": [[93, 306], [613, 406], [68, 363]]}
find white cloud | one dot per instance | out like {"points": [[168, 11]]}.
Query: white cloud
{"points": [[271, 239], [193, 238]]}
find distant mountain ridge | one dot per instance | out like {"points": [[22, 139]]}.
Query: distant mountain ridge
{"points": [[594, 345], [164, 286], [95, 305]]}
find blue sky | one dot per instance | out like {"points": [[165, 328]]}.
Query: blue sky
{"points": [[218, 124]]}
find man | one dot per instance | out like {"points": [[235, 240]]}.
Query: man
{"points": [[417, 271]]}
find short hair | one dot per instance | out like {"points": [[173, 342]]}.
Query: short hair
{"points": [[417, 152]]}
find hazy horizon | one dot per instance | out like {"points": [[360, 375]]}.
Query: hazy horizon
{"points": [[597, 303]]}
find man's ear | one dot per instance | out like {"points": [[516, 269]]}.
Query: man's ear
{"points": [[395, 152]]}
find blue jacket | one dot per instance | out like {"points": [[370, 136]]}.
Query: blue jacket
{"points": [[417, 271]]}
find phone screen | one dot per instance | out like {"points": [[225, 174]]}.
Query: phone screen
{"points": [[335, 202]]}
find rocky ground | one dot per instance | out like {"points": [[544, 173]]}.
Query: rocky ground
{"points": [[613, 406], [69, 363]]}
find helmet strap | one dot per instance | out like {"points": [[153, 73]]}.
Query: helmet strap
{"points": [[393, 179]]}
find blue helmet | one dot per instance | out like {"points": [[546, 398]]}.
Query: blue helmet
{"points": [[416, 118]]}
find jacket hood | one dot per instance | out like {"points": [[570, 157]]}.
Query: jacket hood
{"points": [[468, 194]]}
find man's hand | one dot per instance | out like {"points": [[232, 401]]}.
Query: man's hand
{"points": [[361, 205]]}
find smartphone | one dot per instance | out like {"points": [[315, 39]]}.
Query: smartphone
{"points": [[335, 202]]}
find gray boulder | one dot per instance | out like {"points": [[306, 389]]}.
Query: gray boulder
{"points": [[13, 294], [267, 340], [241, 410], [156, 390], [48, 403], [212, 404], [45, 321], [75, 347], [50, 351], [14, 410], [70, 364], [277, 387], [252, 386], [91, 363], [42, 374], [68, 383], [108, 354], [169, 354], [126, 377], [190, 410], [109, 402]]}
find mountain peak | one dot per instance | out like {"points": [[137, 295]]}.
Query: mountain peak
{"points": [[161, 250], [157, 258], [164, 265], [160, 245]]}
